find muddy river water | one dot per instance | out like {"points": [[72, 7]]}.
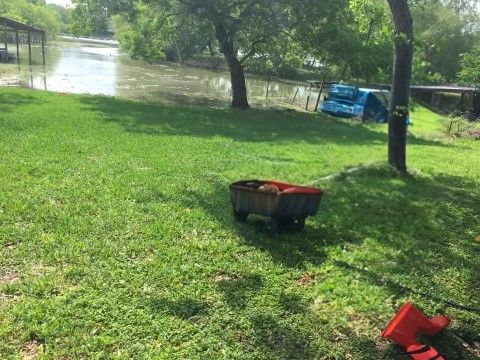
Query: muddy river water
{"points": [[75, 67]]}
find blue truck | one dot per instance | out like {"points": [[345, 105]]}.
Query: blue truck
{"points": [[352, 102]]}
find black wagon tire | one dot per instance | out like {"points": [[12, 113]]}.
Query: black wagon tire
{"points": [[270, 226], [240, 216], [290, 224], [297, 224]]}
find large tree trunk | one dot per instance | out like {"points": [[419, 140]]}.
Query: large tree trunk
{"points": [[237, 75], [400, 91], [239, 87]]}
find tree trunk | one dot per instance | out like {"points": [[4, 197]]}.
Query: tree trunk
{"points": [[179, 54], [210, 49], [237, 75], [239, 87], [400, 91]]}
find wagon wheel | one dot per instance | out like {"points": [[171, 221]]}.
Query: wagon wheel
{"points": [[270, 226], [297, 224], [240, 216], [291, 224]]}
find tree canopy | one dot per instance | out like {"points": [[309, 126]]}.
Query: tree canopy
{"points": [[34, 13], [348, 37]]}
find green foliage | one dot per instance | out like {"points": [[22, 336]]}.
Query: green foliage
{"points": [[187, 27], [470, 68], [281, 57], [369, 40], [350, 37], [92, 17], [422, 72], [355, 34], [155, 35], [88, 17], [62, 15], [442, 35], [36, 14], [142, 38], [117, 234], [79, 23], [320, 30]]}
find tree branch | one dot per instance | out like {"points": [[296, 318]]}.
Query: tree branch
{"points": [[253, 50]]}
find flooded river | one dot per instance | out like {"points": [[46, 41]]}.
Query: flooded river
{"points": [[100, 69]]}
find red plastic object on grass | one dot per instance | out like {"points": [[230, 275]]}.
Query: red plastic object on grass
{"points": [[423, 352], [409, 321]]}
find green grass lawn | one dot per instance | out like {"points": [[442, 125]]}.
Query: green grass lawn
{"points": [[117, 239]]}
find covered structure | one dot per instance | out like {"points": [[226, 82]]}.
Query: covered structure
{"points": [[469, 100], [16, 32]]}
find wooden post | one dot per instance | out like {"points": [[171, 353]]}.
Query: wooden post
{"points": [[295, 96], [43, 48], [470, 105], [344, 71], [462, 102], [308, 98], [476, 105], [18, 46], [268, 88], [178, 52], [319, 94], [29, 48], [473, 105], [450, 127], [318, 99], [6, 40]]}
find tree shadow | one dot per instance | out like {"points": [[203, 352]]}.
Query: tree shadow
{"points": [[292, 303], [451, 346], [185, 99], [10, 100], [184, 308], [254, 125], [360, 205], [237, 290], [279, 340], [423, 225]]}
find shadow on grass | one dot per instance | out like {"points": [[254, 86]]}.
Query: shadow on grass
{"points": [[185, 308], [9, 101], [238, 290], [247, 125], [184, 99], [280, 341], [293, 250], [419, 229]]}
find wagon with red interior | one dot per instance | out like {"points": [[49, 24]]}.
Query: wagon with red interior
{"points": [[287, 205]]}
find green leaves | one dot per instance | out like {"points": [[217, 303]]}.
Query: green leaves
{"points": [[470, 68], [39, 16]]}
